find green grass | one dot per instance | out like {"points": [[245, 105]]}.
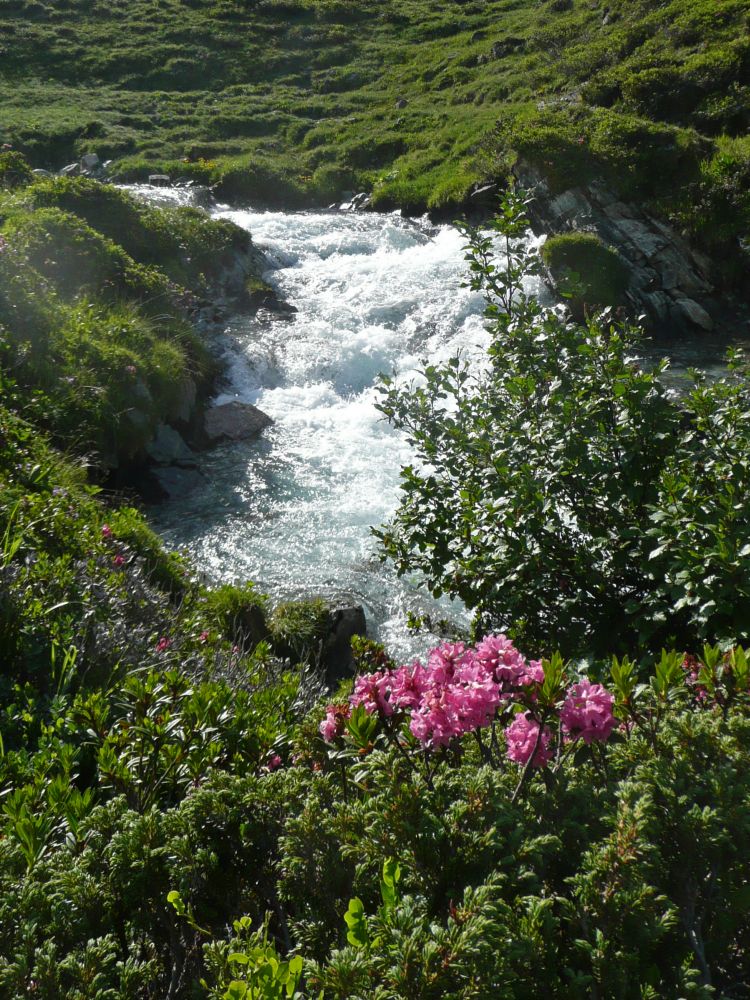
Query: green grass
{"points": [[294, 102], [96, 298]]}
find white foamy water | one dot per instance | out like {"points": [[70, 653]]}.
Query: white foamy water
{"points": [[293, 511]]}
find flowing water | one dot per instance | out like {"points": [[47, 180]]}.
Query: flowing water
{"points": [[293, 511]]}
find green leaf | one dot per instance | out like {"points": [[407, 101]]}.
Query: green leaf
{"points": [[357, 923]]}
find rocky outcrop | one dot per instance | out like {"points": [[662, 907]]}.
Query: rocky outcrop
{"points": [[168, 448], [88, 166], [234, 421], [344, 622], [670, 283]]}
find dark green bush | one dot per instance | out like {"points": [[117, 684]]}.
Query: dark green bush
{"points": [[15, 170], [584, 266]]}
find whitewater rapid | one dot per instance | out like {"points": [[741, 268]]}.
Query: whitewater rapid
{"points": [[294, 510]]}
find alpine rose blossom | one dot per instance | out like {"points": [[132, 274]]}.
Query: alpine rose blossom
{"points": [[371, 690], [334, 723], [521, 738], [587, 712], [498, 655]]}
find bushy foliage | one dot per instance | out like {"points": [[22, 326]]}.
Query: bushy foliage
{"points": [[562, 491], [481, 825]]}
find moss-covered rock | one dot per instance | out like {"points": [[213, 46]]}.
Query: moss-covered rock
{"points": [[585, 268], [299, 629]]}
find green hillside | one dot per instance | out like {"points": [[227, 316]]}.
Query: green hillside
{"points": [[555, 803], [294, 100]]}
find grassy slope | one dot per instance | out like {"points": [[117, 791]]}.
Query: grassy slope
{"points": [[97, 293], [297, 99]]}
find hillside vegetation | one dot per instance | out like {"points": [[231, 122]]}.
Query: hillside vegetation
{"points": [[294, 100], [183, 815]]}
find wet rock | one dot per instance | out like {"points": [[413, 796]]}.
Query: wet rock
{"points": [[159, 180], [185, 407], [72, 170], [41, 173], [487, 192], [175, 482], [234, 421], [695, 314], [572, 206], [643, 237], [90, 161], [358, 203], [676, 273], [168, 447], [659, 306], [343, 624]]}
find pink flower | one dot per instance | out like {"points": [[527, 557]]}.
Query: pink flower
{"points": [[204, 636], [521, 737], [587, 712], [371, 690], [106, 531], [130, 369], [119, 560], [499, 656], [163, 644], [335, 722], [274, 762], [408, 684]]}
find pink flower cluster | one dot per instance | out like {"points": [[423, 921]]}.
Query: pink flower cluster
{"points": [[522, 737], [587, 712], [461, 689]]}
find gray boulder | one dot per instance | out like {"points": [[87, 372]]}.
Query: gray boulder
{"points": [[234, 421], [694, 314], [159, 180], [72, 170], [168, 448], [90, 161]]}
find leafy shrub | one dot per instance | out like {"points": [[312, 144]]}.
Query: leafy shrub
{"points": [[15, 170], [556, 480]]}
